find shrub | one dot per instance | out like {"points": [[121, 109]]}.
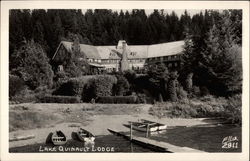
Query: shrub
{"points": [[130, 76], [196, 92], [103, 85], [60, 99], [141, 98], [31, 63], [117, 99], [233, 110], [25, 96], [182, 110], [160, 98], [189, 82], [208, 98], [172, 83], [88, 92], [204, 110], [72, 87], [122, 86], [204, 91], [87, 87], [16, 85], [181, 93]]}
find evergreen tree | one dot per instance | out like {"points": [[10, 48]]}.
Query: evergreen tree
{"points": [[32, 65], [222, 57], [16, 33], [212, 56], [77, 64], [189, 82], [172, 86], [158, 76]]}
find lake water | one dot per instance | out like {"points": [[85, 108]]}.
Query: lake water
{"points": [[206, 138]]}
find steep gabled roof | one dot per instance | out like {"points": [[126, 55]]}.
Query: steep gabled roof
{"points": [[89, 50], [138, 51], [165, 49], [133, 51], [107, 52]]}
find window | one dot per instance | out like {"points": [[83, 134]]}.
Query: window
{"points": [[60, 68], [133, 53], [170, 65]]}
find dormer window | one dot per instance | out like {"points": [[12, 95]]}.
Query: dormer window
{"points": [[133, 53], [111, 54]]}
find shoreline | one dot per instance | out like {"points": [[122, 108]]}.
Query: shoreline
{"points": [[97, 123]]}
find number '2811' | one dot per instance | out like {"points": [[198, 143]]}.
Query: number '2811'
{"points": [[228, 145]]}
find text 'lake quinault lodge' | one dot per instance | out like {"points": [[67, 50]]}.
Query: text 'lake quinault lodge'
{"points": [[123, 57]]}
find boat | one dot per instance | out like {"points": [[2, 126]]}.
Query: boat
{"points": [[58, 138], [160, 126], [146, 125], [85, 135]]}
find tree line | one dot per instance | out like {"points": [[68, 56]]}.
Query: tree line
{"points": [[97, 27]]}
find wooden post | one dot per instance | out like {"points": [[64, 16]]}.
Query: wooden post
{"points": [[147, 130], [131, 128]]}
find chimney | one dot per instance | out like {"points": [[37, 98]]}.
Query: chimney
{"points": [[124, 62], [124, 52]]}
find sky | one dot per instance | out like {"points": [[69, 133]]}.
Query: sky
{"points": [[179, 12]]}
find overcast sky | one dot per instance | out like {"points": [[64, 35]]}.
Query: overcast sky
{"points": [[149, 11]]}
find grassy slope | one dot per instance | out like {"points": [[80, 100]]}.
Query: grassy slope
{"points": [[29, 116]]}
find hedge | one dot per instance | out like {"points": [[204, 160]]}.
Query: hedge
{"points": [[73, 87], [103, 85], [16, 85], [61, 99], [87, 87], [117, 99]]}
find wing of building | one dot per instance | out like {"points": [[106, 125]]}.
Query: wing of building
{"points": [[123, 57]]}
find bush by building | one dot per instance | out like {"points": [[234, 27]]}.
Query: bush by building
{"points": [[171, 88], [87, 87], [61, 99], [73, 87], [103, 85], [122, 85], [117, 99]]}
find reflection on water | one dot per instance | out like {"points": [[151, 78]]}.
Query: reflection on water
{"points": [[207, 139]]}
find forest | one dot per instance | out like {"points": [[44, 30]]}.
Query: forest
{"points": [[103, 27]]}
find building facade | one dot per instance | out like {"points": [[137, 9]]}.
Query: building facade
{"points": [[123, 57]]}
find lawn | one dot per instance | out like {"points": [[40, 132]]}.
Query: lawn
{"points": [[30, 116]]}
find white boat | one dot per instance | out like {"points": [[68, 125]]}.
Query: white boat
{"points": [[144, 125], [85, 135], [58, 138]]}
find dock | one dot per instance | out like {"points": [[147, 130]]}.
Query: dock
{"points": [[154, 144]]}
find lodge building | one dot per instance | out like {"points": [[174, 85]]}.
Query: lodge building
{"points": [[123, 57]]}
